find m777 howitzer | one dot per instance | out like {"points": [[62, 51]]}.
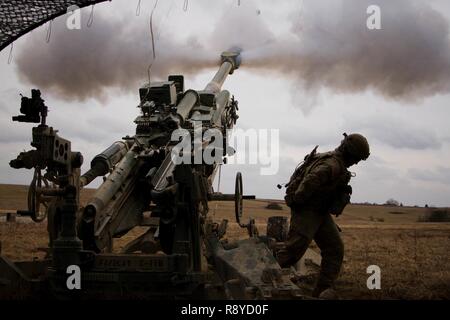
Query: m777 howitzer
{"points": [[151, 180]]}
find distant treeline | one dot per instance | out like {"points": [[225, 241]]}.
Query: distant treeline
{"points": [[435, 215]]}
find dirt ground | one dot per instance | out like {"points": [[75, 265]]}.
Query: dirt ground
{"points": [[413, 256]]}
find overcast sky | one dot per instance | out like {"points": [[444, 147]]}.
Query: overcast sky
{"points": [[313, 71]]}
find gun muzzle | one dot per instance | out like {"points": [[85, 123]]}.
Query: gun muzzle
{"points": [[230, 61]]}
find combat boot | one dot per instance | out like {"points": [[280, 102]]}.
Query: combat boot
{"points": [[329, 294], [326, 292]]}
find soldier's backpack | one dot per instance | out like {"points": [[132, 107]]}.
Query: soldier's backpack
{"points": [[305, 166]]}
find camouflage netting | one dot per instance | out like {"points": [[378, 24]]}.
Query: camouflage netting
{"points": [[17, 17]]}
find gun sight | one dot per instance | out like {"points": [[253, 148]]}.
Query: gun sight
{"points": [[33, 109]]}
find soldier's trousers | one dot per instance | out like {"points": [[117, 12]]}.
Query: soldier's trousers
{"points": [[305, 226]]}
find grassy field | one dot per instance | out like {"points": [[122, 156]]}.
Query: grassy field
{"points": [[413, 256]]}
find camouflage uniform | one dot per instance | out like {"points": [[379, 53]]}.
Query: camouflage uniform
{"points": [[310, 218], [323, 190]]}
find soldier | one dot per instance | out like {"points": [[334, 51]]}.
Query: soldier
{"points": [[317, 189]]}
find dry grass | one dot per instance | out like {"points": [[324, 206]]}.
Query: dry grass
{"points": [[413, 257], [413, 262]]}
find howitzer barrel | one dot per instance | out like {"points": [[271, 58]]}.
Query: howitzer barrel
{"points": [[222, 99], [230, 61], [216, 83]]}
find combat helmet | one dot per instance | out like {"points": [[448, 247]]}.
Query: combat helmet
{"points": [[355, 145]]}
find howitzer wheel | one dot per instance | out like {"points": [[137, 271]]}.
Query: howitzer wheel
{"points": [[238, 198]]}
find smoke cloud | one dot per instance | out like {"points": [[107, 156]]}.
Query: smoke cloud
{"points": [[332, 47], [327, 46], [111, 54]]}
